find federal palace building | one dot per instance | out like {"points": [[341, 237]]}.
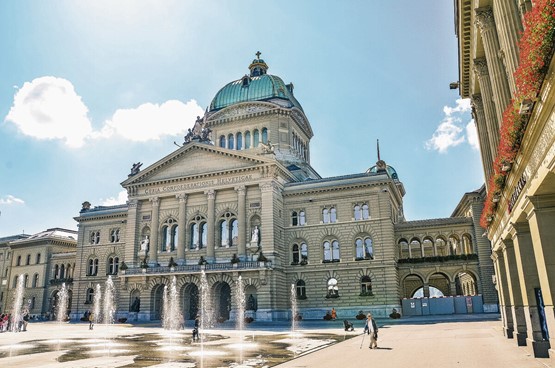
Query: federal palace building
{"points": [[240, 198]]}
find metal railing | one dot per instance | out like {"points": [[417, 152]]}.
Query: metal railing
{"points": [[209, 267]]}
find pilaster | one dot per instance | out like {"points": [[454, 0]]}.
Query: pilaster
{"points": [[210, 237], [509, 28], [182, 245], [504, 298], [153, 252], [492, 123], [131, 243], [515, 294], [242, 219], [483, 135], [500, 86]]}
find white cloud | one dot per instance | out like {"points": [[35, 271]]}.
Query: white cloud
{"points": [[10, 199], [112, 201], [472, 135], [152, 121], [450, 131], [49, 108]]}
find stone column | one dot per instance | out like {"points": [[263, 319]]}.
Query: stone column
{"points": [[242, 220], [267, 231], [480, 122], [153, 251], [529, 280], [211, 228], [182, 227], [541, 218], [504, 299], [426, 290], [509, 28], [515, 294], [497, 74], [492, 123], [131, 242]]}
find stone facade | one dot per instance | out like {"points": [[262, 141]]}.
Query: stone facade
{"points": [[521, 230]]}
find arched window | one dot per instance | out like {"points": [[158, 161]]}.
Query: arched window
{"points": [[247, 139], [38, 259], [365, 212], [327, 251], [28, 260], [335, 251], [229, 230], [33, 301], [95, 237], [359, 249], [114, 236], [89, 299], [35, 280], [239, 141], [93, 267], [26, 282], [333, 288], [222, 141], [333, 214], [56, 272], [357, 213], [294, 218], [441, 247], [325, 216], [302, 218], [256, 136], [368, 248], [113, 265], [296, 254], [15, 281], [198, 233], [18, 263], [301, 289], [366, 286], [62, 271], [169, 235], [403, 249], [331, 251], [264, 135], [230, 141], [304, 253]]}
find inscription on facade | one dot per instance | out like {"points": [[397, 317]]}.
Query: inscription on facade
{"points": [[198, 184], [516, 193]]}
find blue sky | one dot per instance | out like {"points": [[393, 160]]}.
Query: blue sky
{"points": [[87, 88]]}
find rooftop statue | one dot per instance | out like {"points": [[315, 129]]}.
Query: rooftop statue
{"points": [[135, 168]]}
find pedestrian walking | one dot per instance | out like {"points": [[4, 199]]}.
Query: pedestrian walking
{"points": [[91, 321], [371, 328]]}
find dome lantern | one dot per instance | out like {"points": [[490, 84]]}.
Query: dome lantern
{"points": [[258, 67]]}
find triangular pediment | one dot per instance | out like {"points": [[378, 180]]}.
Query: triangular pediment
{"points": [[195, 159]]}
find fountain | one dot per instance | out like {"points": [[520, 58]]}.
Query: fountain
{"points": [[97, 304], [172, 319], [294, 311], [62, 299], [205, 305], [17, 309], [240, 302], [109, 304]]}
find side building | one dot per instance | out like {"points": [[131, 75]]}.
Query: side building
{"points": [[507, 68]]}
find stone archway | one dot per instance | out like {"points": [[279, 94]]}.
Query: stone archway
{"points": [[440, 282], [157, 302], [411, 284], [191, 301], [221, 292]]}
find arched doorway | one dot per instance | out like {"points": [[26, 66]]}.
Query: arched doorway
{"points": [[411, 284], [157, 304], [440, 282], [191, 301], [465, 284], [222, 300]]}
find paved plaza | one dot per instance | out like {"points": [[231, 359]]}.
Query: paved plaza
{"points": [[410, 343]]}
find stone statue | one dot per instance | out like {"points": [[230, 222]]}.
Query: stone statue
{"points": [[136, 168], [255, 237], [144, 244], [267, 147]]}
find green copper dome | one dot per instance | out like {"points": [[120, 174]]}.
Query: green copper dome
{"points": [[258, 86]]}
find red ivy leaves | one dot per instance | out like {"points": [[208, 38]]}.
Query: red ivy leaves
{"points": [[535, 52]]}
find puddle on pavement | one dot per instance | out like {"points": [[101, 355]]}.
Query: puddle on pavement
{"points": [[176, 350]]}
